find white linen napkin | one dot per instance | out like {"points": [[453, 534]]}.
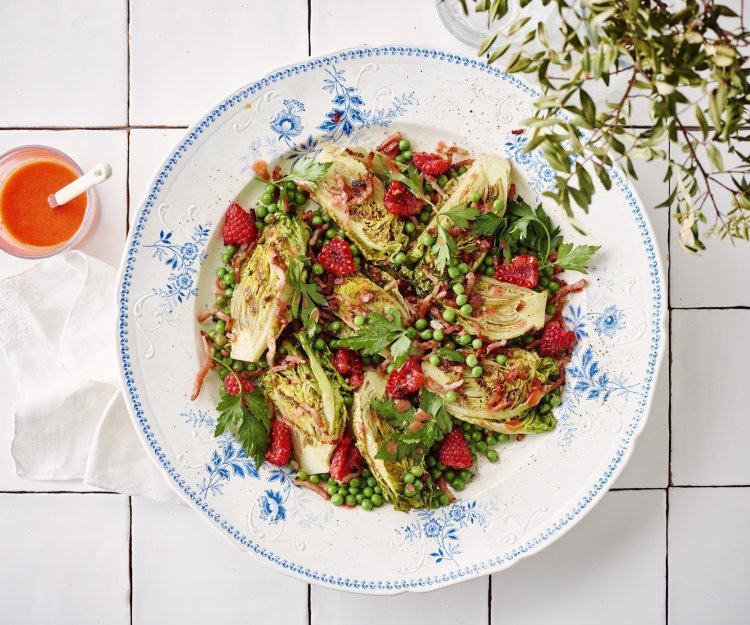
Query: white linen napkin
{"points": [[57, 328]]}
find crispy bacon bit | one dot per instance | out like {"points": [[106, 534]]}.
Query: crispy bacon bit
{"points": [[219, 286], [496, 345], [277, 172], [239, 258], [443, 485], [467, 162], [204, 316], [223, 316], [316, 488], [389, 146], [260, 169], [203, 371]]}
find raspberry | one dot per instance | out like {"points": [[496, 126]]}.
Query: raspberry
{"points": [[400, 201], [336, 258], [232, 386], [345, 459], [455, 452], [432, 164], [523, 270], [239, 226], [280, 444], [406, 380], [556, 340], [348, 363]]}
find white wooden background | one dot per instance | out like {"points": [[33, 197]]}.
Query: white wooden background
{"points": [[120, 80]]}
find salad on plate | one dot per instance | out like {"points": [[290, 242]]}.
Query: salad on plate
{"points": [[384, 318]]}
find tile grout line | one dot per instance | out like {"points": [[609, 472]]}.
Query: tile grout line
{"points": [[669, 397], [489, 599], [127, 229]]}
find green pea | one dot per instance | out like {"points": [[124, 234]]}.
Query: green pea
{"points": [[220, 340], [368, 492], [476, 343], [466, 475], [554, 286], [461, 299], [454, 175], [430, 461], [377, 500], [221, 326], [299, 198], [492, 455], [357, 261], [498, 205], [491, 440], [409, 478], [503, 438], [337, 499], [326, 219], [390, 368], [462, 170], [548, 270], [350, 500], [474, 196], [442, 180], [226, 258], [315, 479], [420, 324], [544, 408], [404, 145], [221, 271], [366, 505], [440, 466], [252, 366], [436, 474], [544, 281], [377, 489], [409, 227], [359, 320], [451, 396], [333, 344], [466, 310], [501, 359], [399, 258], [454, 272], [425, 335], [343, 491], [261, 212], [438, 335], [489, 271], [356, 482], [550, 310], [260, 226], [424, 217], [354, 491], [481, 446], [270, 219], [466, 427], [411, 333], [464, 339], [458, 484], [291, 185], [319, 344], [267, 198], [458, 289], [223, 374], [359, 497], [331, 481], [476, 436], [434, 360], [371, 481], [406, 155], [270, 188], [449, 345], [418, 485], [410, 490], [238, 366], [317, 220], [221, 299], [332, 489], [400, 159], [228, 292], [417, 470], [555, 401], [476, 372], [449, 315], [428, 240], [443, 499], [331, 233], [472, 360], [450, 475], [354, 250]]}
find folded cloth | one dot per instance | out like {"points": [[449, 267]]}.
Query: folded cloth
{"points": [[56, 325]]}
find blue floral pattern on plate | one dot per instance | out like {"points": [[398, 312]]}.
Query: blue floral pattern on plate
{"points": [[183, 259], [226, 462]]}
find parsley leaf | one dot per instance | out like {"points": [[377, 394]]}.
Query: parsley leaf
{"points": [[307, 169], [444, 248], [378, 333], [305, 295], [410, 443], [534, 229], [575, 258], [462, 215], [488, 225], [248, 417]]}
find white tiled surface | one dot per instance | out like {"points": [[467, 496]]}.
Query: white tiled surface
{"points": [[65, 558]]}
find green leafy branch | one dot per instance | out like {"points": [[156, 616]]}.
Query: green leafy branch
{"points": [[380, 332], [687, 62]]}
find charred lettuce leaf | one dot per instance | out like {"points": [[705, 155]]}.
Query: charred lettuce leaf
{"points": [[504, 392], [310, 397], [372, 431], [261, 297], [507, 311], [359, 295], [377, 232]]}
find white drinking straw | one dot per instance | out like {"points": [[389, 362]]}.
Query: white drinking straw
{"points": [[93, 177]]}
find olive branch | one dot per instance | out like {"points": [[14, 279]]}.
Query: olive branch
{"points": [[686, 62]]}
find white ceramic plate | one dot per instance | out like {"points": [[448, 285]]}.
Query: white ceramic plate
{"points": [[540, 488]]}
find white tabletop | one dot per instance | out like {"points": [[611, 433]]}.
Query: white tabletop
{"points": [[119, 80]]}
